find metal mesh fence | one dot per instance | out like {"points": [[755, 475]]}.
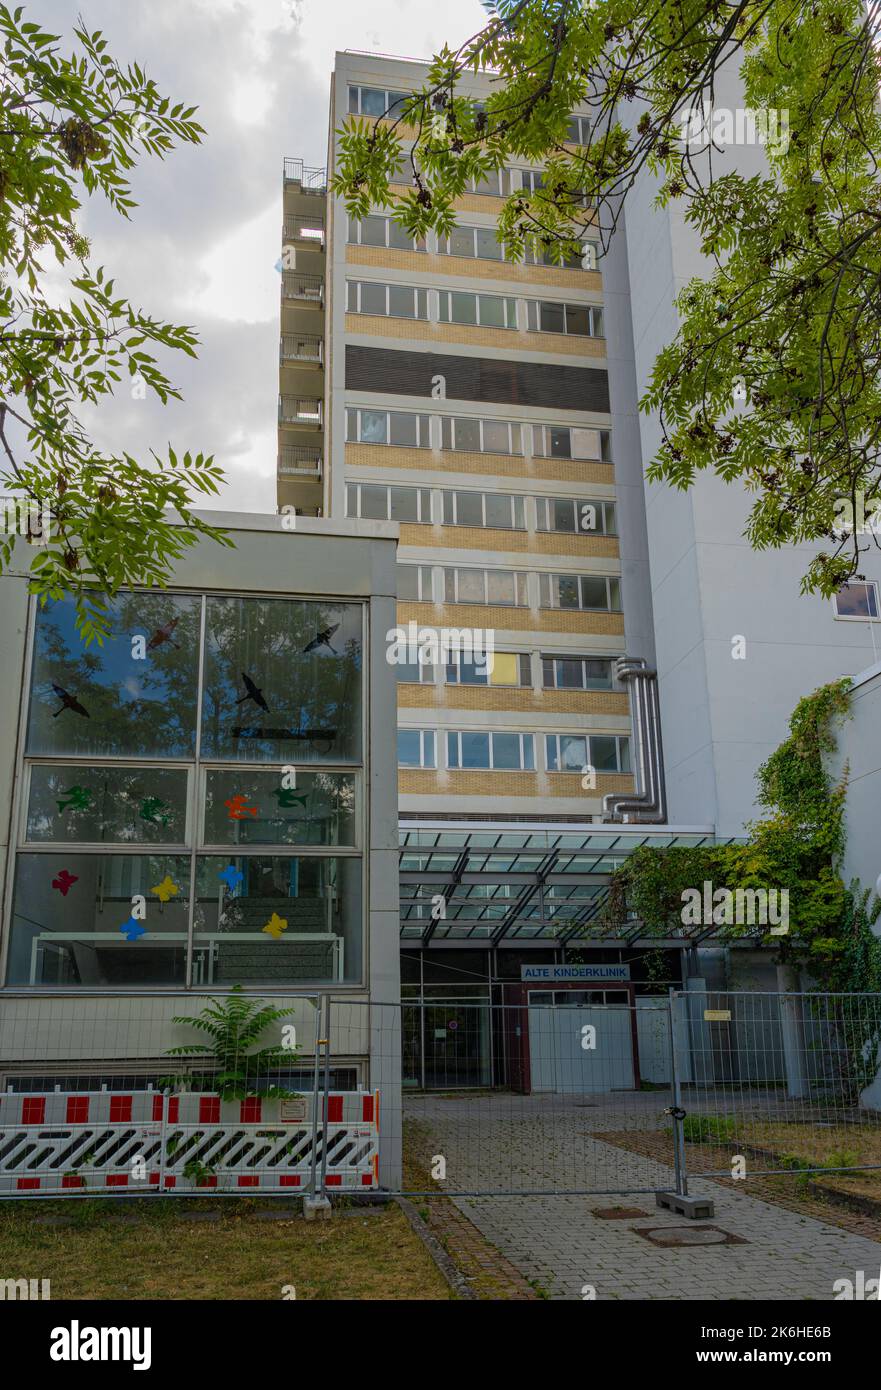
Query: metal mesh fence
{"points": [[563, 1093]]}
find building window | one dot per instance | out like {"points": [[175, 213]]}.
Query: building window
{"points": [[575, 515], [376, 230], [401, 428], [565, 442], [495, 184], [376, 101], [416, 748], [492, 510], [479, 310], [136, 862], [414, 672], [475, 243], [467, 435], [578, 130], [414, 583], [584, 591], [502, 668], [857, 600], [379, 502], [576, 673], [579, 320], [505, 588], [386, 301], [485, 750], [575, 752], [544, 255]]}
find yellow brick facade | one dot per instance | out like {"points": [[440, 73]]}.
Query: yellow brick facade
{"points": [[511, 619], [490, 539], [514, 699], [422, 781], [463, 267], [381, 456], [419, 330]]}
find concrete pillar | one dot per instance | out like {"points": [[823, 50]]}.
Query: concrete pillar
{"points": [[792, 1030]]}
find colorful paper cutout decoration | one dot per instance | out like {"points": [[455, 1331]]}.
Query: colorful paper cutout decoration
{"points": [[132, 930], [163, 634], [153, 809], [252, 693], [322, 640], [231, 876], [275, 926], [80, 799], [64, 882], [236, 808], [288, 797], [165, 890], [68, 701]]}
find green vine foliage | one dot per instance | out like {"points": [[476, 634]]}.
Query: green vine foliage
{"points": [[797, 845]]}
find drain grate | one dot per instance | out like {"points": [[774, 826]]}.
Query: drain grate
{"points": [[672, 1236]]}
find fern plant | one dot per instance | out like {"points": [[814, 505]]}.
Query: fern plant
{"points": [[234, 1025]]}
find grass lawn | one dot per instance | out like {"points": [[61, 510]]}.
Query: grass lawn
{"points": [[830, 1146], [146, 1250]]}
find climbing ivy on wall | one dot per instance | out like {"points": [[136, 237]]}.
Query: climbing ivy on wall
{"points": [[797, 845]]}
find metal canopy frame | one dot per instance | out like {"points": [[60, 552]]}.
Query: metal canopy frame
{"points": [[530, 884]]}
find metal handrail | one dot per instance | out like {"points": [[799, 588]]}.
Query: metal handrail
{"points": [[301, 347], [303, 229], [298, 459], [313, 180], [298, 410], [296, 286]]}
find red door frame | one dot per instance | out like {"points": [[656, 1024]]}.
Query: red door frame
{"points": [[517, 1024]]}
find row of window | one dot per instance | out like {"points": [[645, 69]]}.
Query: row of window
{"points": [[510, 588], [473, 309], [469, 240], [467, 434], [502, 511], [500, 750], [384, 101], [515, 669]]}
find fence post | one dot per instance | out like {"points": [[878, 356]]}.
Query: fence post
{"points": [[326, 1002], [314, 1161], [163, 1139], [676, 1111]]}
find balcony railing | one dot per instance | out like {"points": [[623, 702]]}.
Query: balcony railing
{"points": [[301, 348], [312, 180], [308, 287], [300, 462], [294, 410], [308, 229]]}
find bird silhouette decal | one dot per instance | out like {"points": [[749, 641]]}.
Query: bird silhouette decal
{"points": [[322, 640], [68, 701], [163, 634], [252, 693]]}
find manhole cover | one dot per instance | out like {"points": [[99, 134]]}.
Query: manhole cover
{"points": [[618, 1213], [688, 1235]]}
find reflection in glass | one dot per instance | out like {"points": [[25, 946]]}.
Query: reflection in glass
{"points": [[72, 921], [275, 921], [252, 808], [133, 697], [282, 680], [123, 805]]}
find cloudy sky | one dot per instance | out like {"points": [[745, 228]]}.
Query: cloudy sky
{"points": [[202, 244]]}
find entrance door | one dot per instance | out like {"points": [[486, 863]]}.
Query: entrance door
{"points": [[566, 1056]]}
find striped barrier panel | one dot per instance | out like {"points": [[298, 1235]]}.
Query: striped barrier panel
{"points": [[103, 1142]]}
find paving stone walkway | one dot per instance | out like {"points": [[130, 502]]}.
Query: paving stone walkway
{"points": [[494, 1142]]}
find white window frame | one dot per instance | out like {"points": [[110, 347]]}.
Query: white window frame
{"points": [[504, 183], [513, 497], [527, 739], [515, 435], [868, 584], [445, 298], [519, 577], [423, 499], [415, 290], [443, 244], [354, 222], [605, 513], [541, 443], [423, 581], [554, 657], [546, 584], [594, 313], [583, 125], [488, 684], [389, 94], [425, 735], [577, 771], [423, 427]]}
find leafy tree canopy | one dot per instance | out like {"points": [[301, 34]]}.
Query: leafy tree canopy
{"points": [[68, 124], [773, 377]]}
